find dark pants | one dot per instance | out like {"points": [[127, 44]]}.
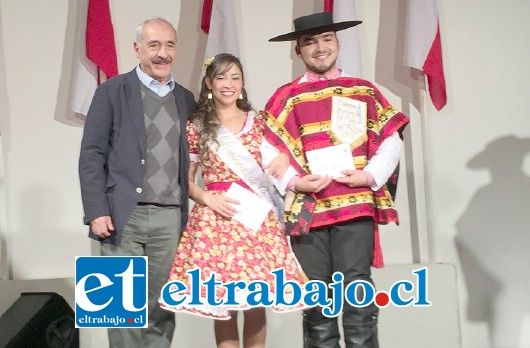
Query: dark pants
{"points": [[153, 232], [347, 248]]}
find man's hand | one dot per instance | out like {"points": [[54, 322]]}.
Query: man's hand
{"points": [[312, 183], [353, 178], [102, 226]]}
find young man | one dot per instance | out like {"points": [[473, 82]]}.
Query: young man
{"points": [[326, 108], [133, 170]]}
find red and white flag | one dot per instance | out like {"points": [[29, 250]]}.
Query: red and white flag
{"points": [[349, 58], [219, 20], [96, 52], [423, 47]]}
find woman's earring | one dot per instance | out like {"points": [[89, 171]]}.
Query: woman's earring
{"points": [[210, 95], [241, 96]]}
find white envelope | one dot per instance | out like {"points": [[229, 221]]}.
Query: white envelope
{"points": [[251, 210], [330, 160]]}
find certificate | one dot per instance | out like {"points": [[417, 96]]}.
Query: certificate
{"points": [[330, 160], [251, 210]]}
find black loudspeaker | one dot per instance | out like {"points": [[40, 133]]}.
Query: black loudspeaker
{"points": [[39, 320]]}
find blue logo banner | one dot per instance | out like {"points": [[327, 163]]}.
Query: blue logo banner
{"points": [[111, 291]]}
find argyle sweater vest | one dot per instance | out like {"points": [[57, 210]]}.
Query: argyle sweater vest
{"points": [[162, 128]]}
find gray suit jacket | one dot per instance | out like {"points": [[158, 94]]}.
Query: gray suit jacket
{"points": [[113, 150]]}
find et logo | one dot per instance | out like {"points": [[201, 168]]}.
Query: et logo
{"points": [[111, 291]]}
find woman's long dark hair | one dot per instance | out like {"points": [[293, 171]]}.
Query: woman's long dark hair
{"points": [[205, 112]]}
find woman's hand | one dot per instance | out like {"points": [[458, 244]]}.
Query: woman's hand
{"points": [[220, 204], [278, 166]]}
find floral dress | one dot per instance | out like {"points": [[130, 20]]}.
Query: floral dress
{"points": [[223, 246]]}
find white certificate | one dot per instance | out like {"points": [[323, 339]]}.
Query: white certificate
{"points": [[330, 160], [251, 210]]}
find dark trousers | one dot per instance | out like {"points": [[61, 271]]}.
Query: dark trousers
{"points": [[153, 232], [347, 248]]}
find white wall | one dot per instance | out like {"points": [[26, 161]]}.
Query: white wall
{"points": [[485, 209], [486, 53]]}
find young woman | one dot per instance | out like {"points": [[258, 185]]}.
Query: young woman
{"points": [[225, 141]]}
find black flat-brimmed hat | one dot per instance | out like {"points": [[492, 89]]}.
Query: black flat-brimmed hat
{"points": [[314, 23]]}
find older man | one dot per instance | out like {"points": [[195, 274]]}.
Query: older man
{"points": [[133, 170]]}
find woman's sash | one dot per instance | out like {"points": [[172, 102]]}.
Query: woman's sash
{"points": [[241, 162]]}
